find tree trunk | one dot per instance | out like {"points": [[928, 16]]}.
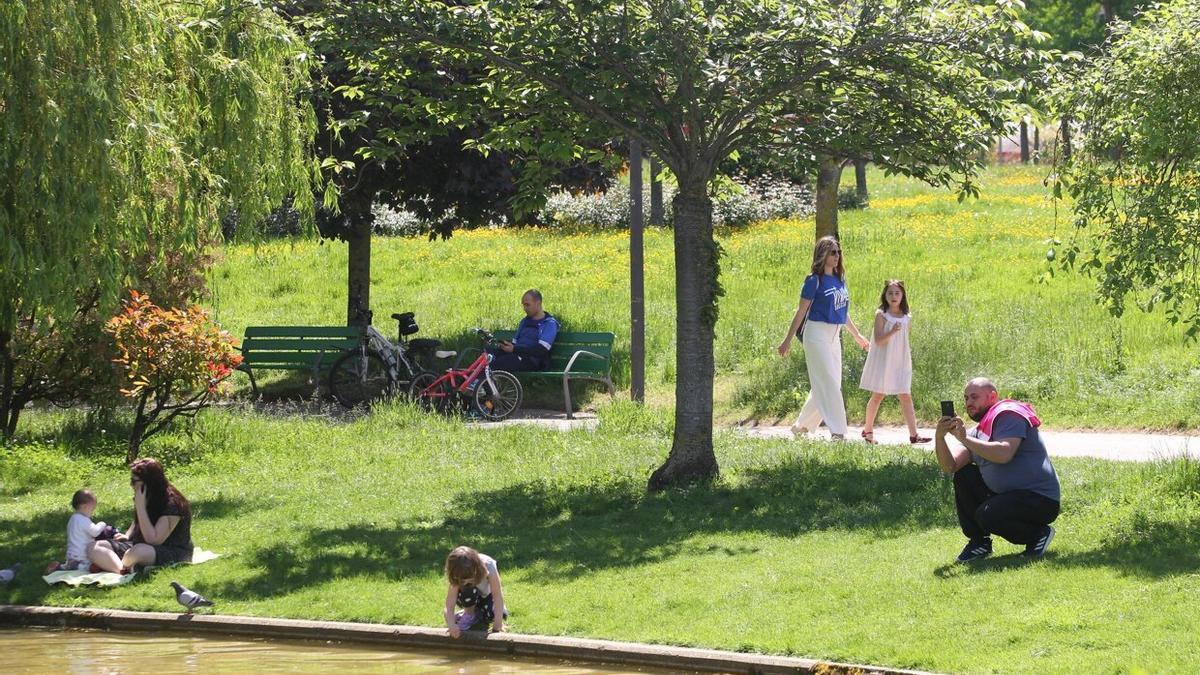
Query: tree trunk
{"points": [[657, 213], [860, 180], [692, 459], [1024, 141], [138, 433], [357, 211], [1065, 130], [9, 408], [829, 179], [1037, 144]]}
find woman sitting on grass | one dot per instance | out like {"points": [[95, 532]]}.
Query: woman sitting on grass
{"points": [[474, 586], [161, 533]]}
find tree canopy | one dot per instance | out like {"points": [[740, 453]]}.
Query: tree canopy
{"points": [[126, 128], [396, 128], [695, 80], [1135, 172], [128, 123]]}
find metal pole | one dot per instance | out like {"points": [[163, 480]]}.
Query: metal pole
{"points": [[656, 197], [637, 299]]}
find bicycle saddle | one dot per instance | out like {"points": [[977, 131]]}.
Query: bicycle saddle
{"points": [[442, 354]]}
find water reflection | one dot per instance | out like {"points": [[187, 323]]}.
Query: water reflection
{"points": [[30, 650]]}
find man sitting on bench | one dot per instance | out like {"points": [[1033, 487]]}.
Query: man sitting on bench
{"points": [[530, 348]]}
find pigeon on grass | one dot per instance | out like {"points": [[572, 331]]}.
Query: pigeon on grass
{"points": [[189, 599], [7, 574]]}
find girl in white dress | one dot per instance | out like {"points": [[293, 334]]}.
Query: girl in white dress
{"points": [[888, 371]]}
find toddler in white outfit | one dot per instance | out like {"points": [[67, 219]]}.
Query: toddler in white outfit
{"points": [[81, 531]]}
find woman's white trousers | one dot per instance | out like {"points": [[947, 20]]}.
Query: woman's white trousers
{"points": [[823, 356]]}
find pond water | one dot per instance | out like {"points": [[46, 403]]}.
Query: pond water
{"points": [[33, 650]]}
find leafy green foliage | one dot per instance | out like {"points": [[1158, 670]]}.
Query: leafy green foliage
{"points": [[398, 130], [1077, 25], [1136, 168], [849, 200], [126, 121]]}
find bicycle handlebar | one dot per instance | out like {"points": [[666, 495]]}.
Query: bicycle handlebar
{"points": [[485, 335]]}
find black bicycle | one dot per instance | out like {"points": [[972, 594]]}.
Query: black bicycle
{"points": [[379, 367]]}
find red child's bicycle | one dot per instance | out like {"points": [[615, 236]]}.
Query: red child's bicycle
{"points": [[492, 394]]}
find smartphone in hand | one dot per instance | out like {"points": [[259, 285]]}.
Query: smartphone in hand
{"points": [[947, 408]]}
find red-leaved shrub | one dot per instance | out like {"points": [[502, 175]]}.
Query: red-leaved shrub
{"points": [[171, 362]]}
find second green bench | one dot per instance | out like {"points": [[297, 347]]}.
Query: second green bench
{"points": [[311, 348], [575, 356]]}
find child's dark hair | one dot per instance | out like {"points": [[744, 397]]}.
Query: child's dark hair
{"points": [[883, 303], [464, 566], [82, 497]]}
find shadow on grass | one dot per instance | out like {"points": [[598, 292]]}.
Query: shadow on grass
{"points": [[37, 540], [282, 386], [1162, 549], [564, 531]]}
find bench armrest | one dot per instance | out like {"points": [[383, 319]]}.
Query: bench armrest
{"points": [[577, 354]]}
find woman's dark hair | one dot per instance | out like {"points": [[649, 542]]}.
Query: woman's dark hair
{"points": [[159, 491], [883, 303], [821, 251]]}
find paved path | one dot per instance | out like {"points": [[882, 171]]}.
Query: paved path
{"points": [[1121, 446]]}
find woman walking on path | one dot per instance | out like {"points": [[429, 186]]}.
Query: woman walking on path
{"points": [[824, 309], [888, 371]]}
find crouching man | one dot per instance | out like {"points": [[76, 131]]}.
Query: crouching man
{"points": [[1004, 483]]}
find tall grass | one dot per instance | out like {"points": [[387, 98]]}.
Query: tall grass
{"points": [[974, 273]]}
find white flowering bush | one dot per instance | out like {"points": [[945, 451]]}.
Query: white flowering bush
{"points": [[736, 202], [605, 209], [392, 223]]}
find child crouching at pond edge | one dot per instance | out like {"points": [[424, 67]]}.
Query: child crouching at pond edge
{"points": [[474, 586]]}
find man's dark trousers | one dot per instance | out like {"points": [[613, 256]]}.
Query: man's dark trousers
{"points": [[1019, 515], [513, 363]]}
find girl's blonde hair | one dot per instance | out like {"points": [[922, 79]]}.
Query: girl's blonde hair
{"points": [[464, 566], [821, 251]]}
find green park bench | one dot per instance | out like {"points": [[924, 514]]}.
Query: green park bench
{"points": [[575, 356], [307, 348]]}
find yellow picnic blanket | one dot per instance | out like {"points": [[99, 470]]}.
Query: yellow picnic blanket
{"points": [[85, 578]]}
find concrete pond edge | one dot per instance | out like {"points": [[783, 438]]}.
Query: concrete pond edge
{"points": [[424, 638]]}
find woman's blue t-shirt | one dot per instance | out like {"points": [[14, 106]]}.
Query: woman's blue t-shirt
{"points": [[830, 299]]}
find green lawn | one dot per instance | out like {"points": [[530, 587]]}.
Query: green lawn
{"points": [[972, 271], [833, 551]]}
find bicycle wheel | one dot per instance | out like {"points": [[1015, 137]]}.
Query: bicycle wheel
{"points": [[433, 400], [500, 397], [359, 377]]}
